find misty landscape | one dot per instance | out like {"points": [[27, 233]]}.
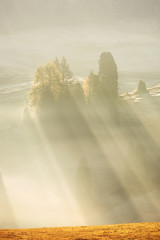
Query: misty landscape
{"points": [[79, 112]]}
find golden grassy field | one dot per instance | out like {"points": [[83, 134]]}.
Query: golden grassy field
{"points": [[122, 231]]}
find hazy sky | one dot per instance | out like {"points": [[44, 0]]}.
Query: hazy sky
{"points": [[36, 31], [27, 14]]}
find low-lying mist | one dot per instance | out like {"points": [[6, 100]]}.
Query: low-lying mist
{"points": [[80, 169]]}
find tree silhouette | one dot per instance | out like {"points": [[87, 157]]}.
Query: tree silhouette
{"points": [[47, 82], [63, 67], [77, 92], [108, 76], [90, 87]]}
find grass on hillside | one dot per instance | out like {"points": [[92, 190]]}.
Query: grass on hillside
{"points": [[134, 231]]}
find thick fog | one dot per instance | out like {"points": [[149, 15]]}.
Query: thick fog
{"points": [[57, 176]]}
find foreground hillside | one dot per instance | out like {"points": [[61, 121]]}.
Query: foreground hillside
{"points": [[123, 231]]}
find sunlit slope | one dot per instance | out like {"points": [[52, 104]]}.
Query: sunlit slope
{"points": [[123, 231]]}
